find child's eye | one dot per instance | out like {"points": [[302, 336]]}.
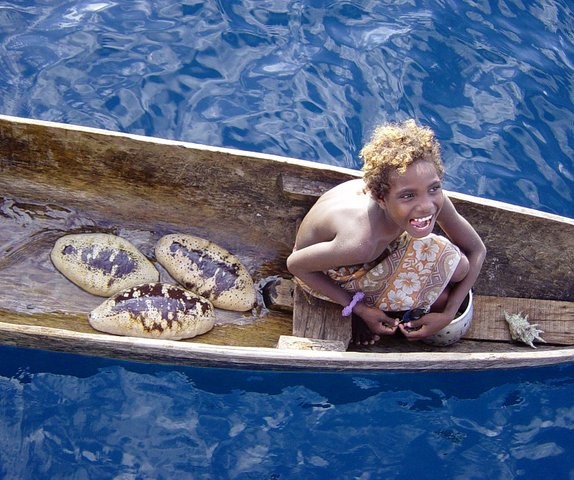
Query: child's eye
{"points": [[435, 188]]}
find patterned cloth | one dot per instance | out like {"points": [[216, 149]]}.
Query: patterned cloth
{"points": [[411, 273]]}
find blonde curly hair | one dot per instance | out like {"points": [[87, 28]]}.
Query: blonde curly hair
{"points": [[394, 147]]}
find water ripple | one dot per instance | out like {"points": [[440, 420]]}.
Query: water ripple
{"points": [[109, 421], [311, 79]]}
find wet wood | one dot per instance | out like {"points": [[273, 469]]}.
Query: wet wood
{"points": [[57, 179], [263, 331]]}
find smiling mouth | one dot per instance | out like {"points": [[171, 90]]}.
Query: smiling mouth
{"points": [[421, 223]]}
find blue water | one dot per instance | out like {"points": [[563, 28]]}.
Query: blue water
{"points": [[90, 418], [310, 79], [307, 79]]}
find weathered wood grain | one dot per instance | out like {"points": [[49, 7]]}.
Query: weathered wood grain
{"points": [[289, 342], [555, 318], [529, 255], [57, 179], [316, 318], [186, 353]]}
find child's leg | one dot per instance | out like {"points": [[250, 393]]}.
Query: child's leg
{"points": [[458, 275], [461, 269]]}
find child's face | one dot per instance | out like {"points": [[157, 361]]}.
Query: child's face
{"points": [[414, 198]]}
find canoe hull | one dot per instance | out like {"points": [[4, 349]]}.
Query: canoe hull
{"points": [[57, 179], [265, 358]]}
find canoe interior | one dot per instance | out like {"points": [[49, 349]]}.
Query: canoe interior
{"points": [[56, 180]]}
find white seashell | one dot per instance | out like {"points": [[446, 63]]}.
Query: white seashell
{"points": [[101, 263], [154, 310], [522, 330], [208, 270]]}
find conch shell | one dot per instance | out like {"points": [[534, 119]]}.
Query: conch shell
{"points": [[521, 330]]}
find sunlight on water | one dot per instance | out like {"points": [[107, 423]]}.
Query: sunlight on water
{"points": [[90, 418], [306, 79], [311, 79]]}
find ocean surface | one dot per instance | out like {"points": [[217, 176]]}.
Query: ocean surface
{"points": [[71, 417], [311, 79], [306, 79]]}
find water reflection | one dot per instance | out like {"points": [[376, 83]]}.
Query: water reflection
{"points": [[88, 418], [311, 79]]}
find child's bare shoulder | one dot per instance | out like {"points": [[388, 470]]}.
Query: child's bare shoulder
{"points": [[346, 194], [336, 213], [341, 205]]}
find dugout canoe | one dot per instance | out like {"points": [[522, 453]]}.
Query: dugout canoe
{"points": [[57, 179]]}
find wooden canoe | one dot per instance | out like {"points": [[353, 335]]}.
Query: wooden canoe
{"points": [[57, 179]]}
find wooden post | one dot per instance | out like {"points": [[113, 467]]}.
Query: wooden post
{"points": [[319, 319]]}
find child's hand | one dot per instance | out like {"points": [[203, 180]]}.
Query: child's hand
{"points": [[378, 322], [425, 326]]}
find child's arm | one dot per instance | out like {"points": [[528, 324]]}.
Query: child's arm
{"points": [[309, 264], [463, 235]]}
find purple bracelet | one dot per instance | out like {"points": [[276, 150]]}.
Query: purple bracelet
{"points": [[349, 308]]}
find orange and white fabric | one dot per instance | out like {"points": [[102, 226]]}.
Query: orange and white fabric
{"points": [[411, 273]]}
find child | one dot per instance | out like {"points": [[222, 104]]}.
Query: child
{"points": [[367, 244]]}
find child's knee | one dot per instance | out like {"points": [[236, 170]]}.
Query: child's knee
{"points": [[461, 270]]}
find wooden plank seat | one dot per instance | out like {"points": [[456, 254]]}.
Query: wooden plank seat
{"points": [[320, 320]]}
